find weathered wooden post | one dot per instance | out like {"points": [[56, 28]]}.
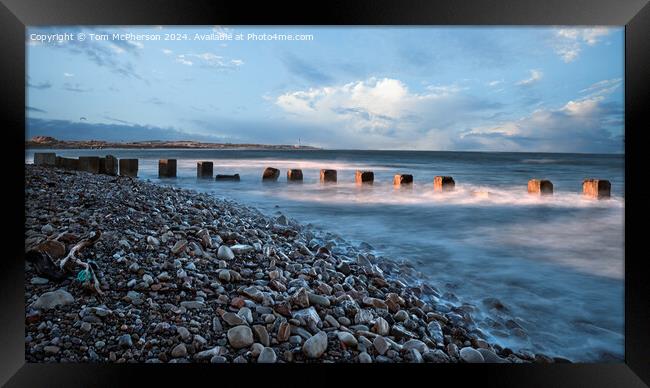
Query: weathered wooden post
{"points": [[108, 165], [167, 168], [129, 167], [270, 174], [44, 158], [443, 183], [294, 175], [361, 177], [89, 164], [403, 180], [223, 177], [596, 188], [540, 187], [328, 176], [67, 163], [204, 169]]}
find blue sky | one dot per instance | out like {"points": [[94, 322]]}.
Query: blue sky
{"points": [[546, 89]]}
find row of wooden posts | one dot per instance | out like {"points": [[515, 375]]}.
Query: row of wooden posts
{"points": [[595, 188]]}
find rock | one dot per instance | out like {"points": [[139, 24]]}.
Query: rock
{"points": [[47, 229], [364, 358], [253, 293], [240, 337], [179, 246], [218, 360], [208, 354], [415, 344], [363, 316], [39, 281], [300, 299], [125, 341], [52, 299], [51, 349], [315, 346], [471, 355], [380, 344], [184, 333], [233, 319], [284, 331], [308, 314], [452, 350], [153, 241], [435, 332], [224, 275], [193, 305], [267, 356], [491, 357], [401, 316], [216, 325], [436, 356], [256, 349], [240, 249], [381, 326], [262, 334], [347, 338], [414, 356], [319, 300], [225, 253], [246, 313], [179, 351]]}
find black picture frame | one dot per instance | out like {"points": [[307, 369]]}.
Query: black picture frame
{"points": [[15, 15]]}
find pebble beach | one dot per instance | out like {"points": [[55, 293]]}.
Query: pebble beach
{"points": [[187, 277]]}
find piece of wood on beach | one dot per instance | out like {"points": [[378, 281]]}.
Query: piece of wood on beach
{"points": [[596, 188], [67, 163], [108, 165], [328, 176], [443, 183], [224, 177], [294, 175], [129, 167], [403, 180], [167, 168], [89, 164], [270, 174], [204, 169], [540, 187], [364, 177], [44, 158]]}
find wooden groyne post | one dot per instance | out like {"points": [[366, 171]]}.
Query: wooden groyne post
{"points": [[294, 175], [89, 164], [364, 177], [167, 168], [596, 188], [328, 176], [108, 165], [270, 174], [403, 180], [67, 163], [129, 167], [223, 177], [540, 187], [443, 183], [45, 158], [204, 169]]}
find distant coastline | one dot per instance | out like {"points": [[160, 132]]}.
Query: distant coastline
{"points": [[41, 142]]}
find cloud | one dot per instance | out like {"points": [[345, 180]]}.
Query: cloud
{"points": [[209, 60], [602, 88], [167, 51], [68, 75], [33, 109], [40, 85], [154, 101], [535, 76], [494, 83], [76, 87], [304, 70], [569, 42], [584, 125], [384, 113]]}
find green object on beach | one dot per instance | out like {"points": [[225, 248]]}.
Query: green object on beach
{"points": [[83, 275]]}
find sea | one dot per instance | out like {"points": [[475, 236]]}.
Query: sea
{"points": [[555, 264]]}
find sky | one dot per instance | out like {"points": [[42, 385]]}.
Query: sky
{"points": [[515, 89]]}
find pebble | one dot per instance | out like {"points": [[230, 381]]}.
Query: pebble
{"points": [[267, 356], [225, 253], [315, 346], [240, 337], [347, 338], [364, 358], [39, 281], [179, 351], [381, 326], [471, 355], [52, 299], [125, 341]]}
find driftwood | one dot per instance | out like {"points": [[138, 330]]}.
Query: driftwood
{"points": [[68, 263]]}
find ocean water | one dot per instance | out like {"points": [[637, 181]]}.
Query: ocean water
{"points": [[555, 263]]}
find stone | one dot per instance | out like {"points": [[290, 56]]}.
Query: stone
{"points": [[316, 345], [193, 305], [204, 169], [267, 356], [253, 293], [347, 338], [435, 332], [381, 326], [240, 249], [224, 275], [225, 253], [39, 281], [129, 167], [240, 337], [328, 176], [89, 164], [443, 183], [401, 316], [309, 315], [471, 355], [153, 241], [184, 333], [233, 319], [55, 249], [270, 174], [363, 316], [491, 357], [52, 299], [364, 358], [436, 356], [300, 299], [125, 341], [381, 345], [415, 344], [225, 177], [596, 188], [540, 187], [294, 175], [284, 331], [44, 158], [364, 177], [51, 349], [262, 334], [179, 351], [218, 360], [179, 247], [403, 180], [208, 354], [414, 356], [167, 168], [315, 299]]}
